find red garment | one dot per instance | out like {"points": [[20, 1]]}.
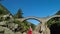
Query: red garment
{"points": [[30, 31]]}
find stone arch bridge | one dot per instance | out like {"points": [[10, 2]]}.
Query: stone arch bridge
{"points": [[42, 26]]}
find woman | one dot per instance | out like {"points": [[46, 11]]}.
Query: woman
{"points": [[30, 30]]}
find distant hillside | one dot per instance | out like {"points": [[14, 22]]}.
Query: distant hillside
{"points": [[3, 10], [58, 13]]}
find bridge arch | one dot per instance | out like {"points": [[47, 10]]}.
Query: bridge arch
{"points": [[51, 17], [32, 17], [52, 24], [48, 18], [38, 27]]}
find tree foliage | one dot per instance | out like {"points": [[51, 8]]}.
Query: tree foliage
{"points": [[19, 14], [53, 20]]}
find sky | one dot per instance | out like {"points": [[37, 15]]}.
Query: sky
{"points": [[38, 8]]}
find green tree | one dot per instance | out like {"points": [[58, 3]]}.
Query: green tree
{"points": [[19, 14]]}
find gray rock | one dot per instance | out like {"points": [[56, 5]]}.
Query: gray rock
{"points": [[18, 33]]}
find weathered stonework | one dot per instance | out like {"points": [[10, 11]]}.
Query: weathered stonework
{"points": [[39, 29], [42, 26]]}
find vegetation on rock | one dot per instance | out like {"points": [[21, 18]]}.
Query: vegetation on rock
{"points": [[24, 25], [54, 20]]}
